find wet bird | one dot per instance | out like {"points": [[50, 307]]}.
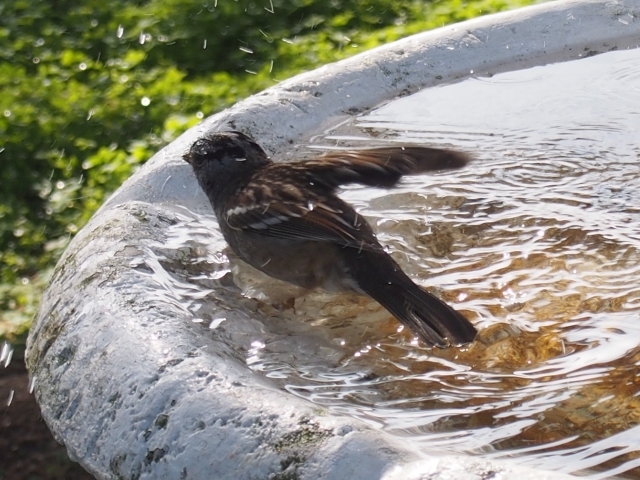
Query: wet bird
{"points": [[286, 220]]}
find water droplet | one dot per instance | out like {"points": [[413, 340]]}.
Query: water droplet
{"points": [[6, 353], [215, 323]]}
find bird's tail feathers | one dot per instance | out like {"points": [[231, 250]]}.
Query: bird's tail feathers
{"points": [[435, 322]]}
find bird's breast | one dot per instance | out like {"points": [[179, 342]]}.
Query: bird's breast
{"points": [[307, 264]]}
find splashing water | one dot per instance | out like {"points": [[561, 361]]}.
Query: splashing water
{"points": [[537, 242]]}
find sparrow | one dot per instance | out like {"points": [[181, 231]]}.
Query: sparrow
{"points": [[286, 220]]}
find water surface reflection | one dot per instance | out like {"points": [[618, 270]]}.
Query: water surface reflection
{"points": [[537, 242]]}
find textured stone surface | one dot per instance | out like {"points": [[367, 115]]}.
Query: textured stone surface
{"points": [[135, 390]]}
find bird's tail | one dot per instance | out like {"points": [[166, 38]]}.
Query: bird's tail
{"points": [[435, 322]]}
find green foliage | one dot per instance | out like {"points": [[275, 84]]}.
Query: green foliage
{"points": [[91, 89]]}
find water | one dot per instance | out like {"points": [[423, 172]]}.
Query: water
{"points": [[537, 242]]}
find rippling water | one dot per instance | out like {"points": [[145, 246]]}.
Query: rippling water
{"points": [[538, 242]]}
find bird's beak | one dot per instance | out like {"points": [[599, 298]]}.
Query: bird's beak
{"points": [[187, 158]]}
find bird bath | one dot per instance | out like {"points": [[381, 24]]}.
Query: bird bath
{"points": [[156, 355]]}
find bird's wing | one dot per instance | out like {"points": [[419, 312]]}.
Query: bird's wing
{"points": [[381, 167], [284, 212]]}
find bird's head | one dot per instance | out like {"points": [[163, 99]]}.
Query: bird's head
{"points": [[223, 160]]}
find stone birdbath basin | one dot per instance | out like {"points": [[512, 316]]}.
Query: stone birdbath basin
{"points": [[138, 383]]}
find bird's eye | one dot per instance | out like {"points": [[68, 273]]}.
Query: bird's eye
{"points": [[236, 153], [198, 160]]}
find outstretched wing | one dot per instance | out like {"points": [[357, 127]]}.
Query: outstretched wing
{"points": [[382, 167], [296, 200]]}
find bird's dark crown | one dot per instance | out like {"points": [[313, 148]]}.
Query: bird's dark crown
{"points": [[223, 146], [223, 161]]}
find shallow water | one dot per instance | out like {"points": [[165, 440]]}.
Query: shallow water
{"points": [[538, 242]]}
